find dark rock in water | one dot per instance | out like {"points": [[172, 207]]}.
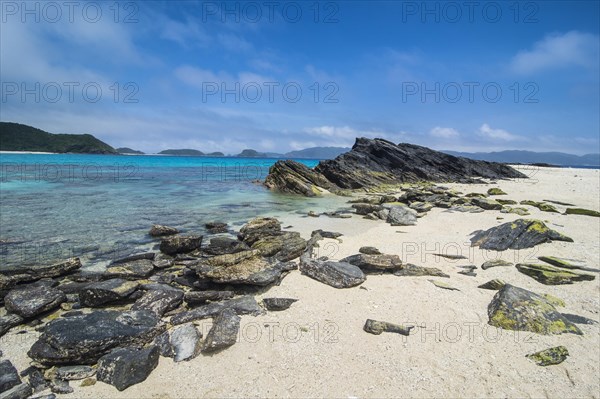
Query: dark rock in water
{"points": [[9, 376], [285, 246], [32, 301], [375, 263], [494, 263], [125, 367], [567, 263], [295, 178], [550, 356], [369, 251], [258, 228], [224, 331], [276, 304], [514, 308], [495, 285], [61, 387], [373, 162], [335, 274], [84, 339], [132, 258], [185, 341], [573, 318], [158, 230], [9, 321], [20, 391], [327, 234], [10, 276], [551, 275], [159, 301], [401, 216], [201, 297], [224, 246], [377, 327], [581, 211], [216, 227], [252, 271], [241, 305], [410, 270], [486, 203], [520, 234], [134, 270], [449, 256], [115, 290], [180, 244], [71, 373]]}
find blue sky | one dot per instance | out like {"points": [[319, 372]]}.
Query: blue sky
{"points": [[280, 76]]}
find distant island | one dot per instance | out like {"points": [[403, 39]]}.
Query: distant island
{"points": [[185, 151], [126, 150], [530, 157], [18, 137]]}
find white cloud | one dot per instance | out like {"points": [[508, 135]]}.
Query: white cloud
{"points": [[558, 51], [444, 132], [496, 134]]}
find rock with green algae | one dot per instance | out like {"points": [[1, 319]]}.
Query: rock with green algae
{"points": [[410, 270], [547, 208], [495, 191], [443, 285], [555, 301], [550, 356], [582, 211], [520, 234], [567, 263], [495, 284], [530, 203], [514, 308], [550, 275], [517, 210], [494, 263], [506, 201]]}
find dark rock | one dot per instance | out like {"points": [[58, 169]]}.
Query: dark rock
{"points": [[550, 356], [495, 191], [70, 373], [223, 332], [295, 178], [132, 258], [241, 305], [216, 227], [581, 211], [573, 318], [9, 321], [495, 285], [375, 263], [159, 287], [520, 234], [201, 297], [20, 391], [567, 263], [36, 379], [115, 290], [335, 274], [125, 367], [285, 246], [401, 216], [159, 301], [466, 209], [252, 271], [365, 209], [514, 308], [494, 263], [163, 342], [377, 327], [369, 251], [224, 246], [327, 234], [185, 341], [421, 207], [10, 276], [9, 376], [486, 203], [450, 256], [258, 228], [468, 270], [410, 270], [180, 244], [158, 230], [551, 275], [506, 201], [32, 301], [276, 304], [84, 339], [133, 270], [60, 387]]}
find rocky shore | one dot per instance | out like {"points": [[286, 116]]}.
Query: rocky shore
{"points": [[146, 311]]}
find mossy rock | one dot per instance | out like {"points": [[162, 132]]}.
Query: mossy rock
{"points": [[530, 203], [547, 208], [506, 201], [550, 275], [476, 195], [520, 234], [582, 211], [550, 356], [567, 263], [495, 284], [516, 210], [555, 301], [514, 308], [495, 191]]}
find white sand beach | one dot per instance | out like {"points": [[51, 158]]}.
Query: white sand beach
{"points": [[317, 348]]}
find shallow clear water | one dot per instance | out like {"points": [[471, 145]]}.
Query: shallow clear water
{"points": [[100, 207]]}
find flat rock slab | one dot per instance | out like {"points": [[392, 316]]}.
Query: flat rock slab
{"points": [[445, 286], [20, 391], [495, 285], [277, 304], [253, 271], [70, 373], [369, 251], [410, 270], [378, 327], [136, 269], [185, 342], [550, 275], [520, 234], [257, 228], [224, 246], [9, 376], [242, 305], [401, 216], [335, 274], [495, 263], [374, 263], [567, 263], [550, 356], [114, 290], [284, 246], [180, 244], [224, 331], [14, 275], [32, 301], [159, 301], [83, 339], [486, 203], [9, 321], [514, 308], [125, 367], [201, 297]]}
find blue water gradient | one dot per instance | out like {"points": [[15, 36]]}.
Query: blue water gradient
{"points": [[100, 207]]}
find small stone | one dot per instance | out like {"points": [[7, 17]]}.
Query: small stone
{"points": [[9, 376], [224, 331], [550, 356], [185, 341], [410, 270], [276, 304], [180, 244], [369, 251], [70, 373], [216, 227], [443, 285], [88, 382], [60, 387], [124, 367], [377, 327], [158, 230], [495, 191], [495, 263]]}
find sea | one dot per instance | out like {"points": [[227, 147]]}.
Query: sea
{"points": [[101, 207]]}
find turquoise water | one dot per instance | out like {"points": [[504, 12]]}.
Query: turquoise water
{"points": [[100, 207]]}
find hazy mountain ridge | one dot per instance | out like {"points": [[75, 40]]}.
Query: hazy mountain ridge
{"points": [[521, 156]]}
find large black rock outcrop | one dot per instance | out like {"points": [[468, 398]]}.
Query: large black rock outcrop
{"points": [[296, 178]]}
